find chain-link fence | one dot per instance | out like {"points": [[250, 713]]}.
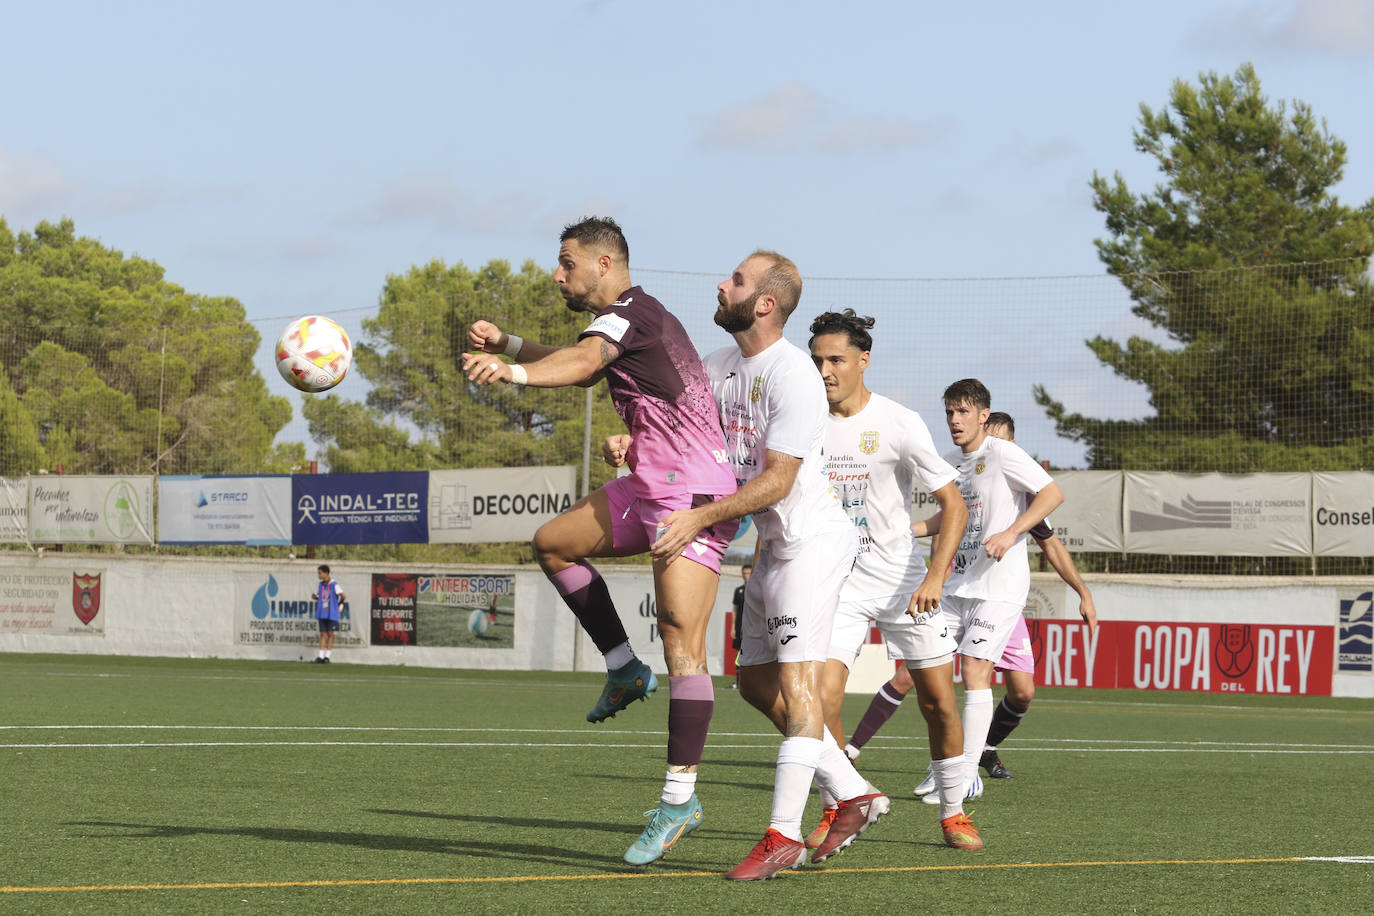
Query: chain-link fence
{"points": [[1245, 370]]}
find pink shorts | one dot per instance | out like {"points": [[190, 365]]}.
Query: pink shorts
{"points": [[634, 523], [1018, 655]]}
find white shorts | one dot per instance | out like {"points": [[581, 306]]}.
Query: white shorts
{"points": [[789, 605], [982, 628], [905, 638]]}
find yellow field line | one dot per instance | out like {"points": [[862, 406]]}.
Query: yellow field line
{"points": [[512, 879]]}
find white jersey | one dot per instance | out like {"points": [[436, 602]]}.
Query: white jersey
{"points": [[993, 480], [775, 401], [872, 460]]}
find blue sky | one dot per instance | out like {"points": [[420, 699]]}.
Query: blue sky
{"points": [[291, 155]]}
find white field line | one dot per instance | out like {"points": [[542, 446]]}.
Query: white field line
{"points": [[525, 684], [1228, 745], [809, 874], [767, 743]]}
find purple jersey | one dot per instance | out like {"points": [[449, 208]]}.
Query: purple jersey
{"points": [[661, 392]]}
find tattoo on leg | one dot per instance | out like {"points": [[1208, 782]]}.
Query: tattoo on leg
{"points": [[679, 665]]}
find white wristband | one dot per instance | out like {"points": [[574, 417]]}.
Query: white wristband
{"points": [[518, 375], [513, 344]]}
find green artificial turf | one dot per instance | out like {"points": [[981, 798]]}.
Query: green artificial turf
{"points": [[310, 788]]}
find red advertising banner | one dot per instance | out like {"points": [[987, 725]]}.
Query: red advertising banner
{"points": [[1258, 658], [1206, 657]]}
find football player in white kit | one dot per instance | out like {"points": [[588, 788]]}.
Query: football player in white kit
{"points": [[875, 449], [986, 591], [774, 412]]}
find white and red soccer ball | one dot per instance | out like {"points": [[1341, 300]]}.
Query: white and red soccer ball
{"points": [[314, 354]]}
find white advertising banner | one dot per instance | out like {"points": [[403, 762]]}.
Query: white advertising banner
{"points": [[224, 510], [1343, 513], [14, 509], [68, 509], [52, 601], [488, 505], [278, 609], [1218, 514], [1090, 518]]}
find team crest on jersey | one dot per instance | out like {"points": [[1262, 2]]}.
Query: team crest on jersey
{"points": [[868, 442], [756, 393], [86, 596], [980, 465]]}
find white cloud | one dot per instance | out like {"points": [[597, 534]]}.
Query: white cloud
{"points": [[862, 134], [434, 199], [32, 189], [777, 120], [1052, 150], [1337, 26], [1303, 26], [796, 118]]}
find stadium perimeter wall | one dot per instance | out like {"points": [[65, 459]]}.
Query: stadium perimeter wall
{"points": [[1282, 636]]}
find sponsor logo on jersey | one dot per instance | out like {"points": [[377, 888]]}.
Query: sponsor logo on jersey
{"points": [[756, 392], [868, 442], [613, 326]]}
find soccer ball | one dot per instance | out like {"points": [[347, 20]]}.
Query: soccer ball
{"points": [[479, 622], [314, 354]]}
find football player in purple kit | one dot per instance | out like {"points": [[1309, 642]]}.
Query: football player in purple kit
{"points": [[676, 453]]}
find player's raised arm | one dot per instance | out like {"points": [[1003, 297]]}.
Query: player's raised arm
{"points": [[582, 363], [488, 338]]}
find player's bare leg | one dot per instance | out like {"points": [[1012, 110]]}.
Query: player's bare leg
{"points": [[685, 592], [562, 547], [834, 677], [789, 694]]}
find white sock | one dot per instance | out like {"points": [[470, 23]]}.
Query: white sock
{"points": [[327, 652], [977, 720], [836, 774], [828, 800], [949, 783], [678, 787], [622, 655], [792, 783], [321, 655]]}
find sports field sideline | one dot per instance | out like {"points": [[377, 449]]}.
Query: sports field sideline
{"points": [[176, 785]]}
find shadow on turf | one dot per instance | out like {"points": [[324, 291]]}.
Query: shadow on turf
{"points": [[541, 824], [383, 841]]}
